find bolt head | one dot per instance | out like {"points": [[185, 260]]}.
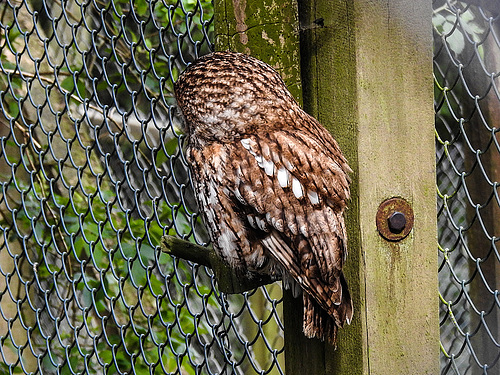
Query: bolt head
{"points": [[397, 222]]}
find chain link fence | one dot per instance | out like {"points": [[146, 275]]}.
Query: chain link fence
{"points": [[467, 103], [92, 175]]}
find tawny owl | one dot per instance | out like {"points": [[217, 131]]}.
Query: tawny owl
{"points": [[270, 181]]}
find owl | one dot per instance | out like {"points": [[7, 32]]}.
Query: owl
{"points": [[270, 182]]}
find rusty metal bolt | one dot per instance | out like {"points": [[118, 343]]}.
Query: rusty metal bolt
{"points": [[394, 219], [397, 222]]}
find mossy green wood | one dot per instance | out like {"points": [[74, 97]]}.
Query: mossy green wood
{"points": [[369, 80], [328, 64], [265, 29], [367, 75], [396, 157]]}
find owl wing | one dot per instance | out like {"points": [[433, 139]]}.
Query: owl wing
{"points": [[294, 186], [307, 161]]}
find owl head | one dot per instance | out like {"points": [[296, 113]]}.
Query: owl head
{"points": [[225, 95]]}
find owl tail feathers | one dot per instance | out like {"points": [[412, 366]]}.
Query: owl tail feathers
{"points": [[318, 323]]}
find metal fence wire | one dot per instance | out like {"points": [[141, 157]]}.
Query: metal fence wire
{"points": [[92, 174], [467, 103]]}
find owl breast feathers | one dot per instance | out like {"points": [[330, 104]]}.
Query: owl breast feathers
{"points": [[271, 183]]}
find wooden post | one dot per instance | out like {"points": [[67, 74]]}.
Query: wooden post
{"points": [[328, 62], [265, 29], [367, 77]]}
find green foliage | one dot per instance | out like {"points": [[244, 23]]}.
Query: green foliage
{"points": [[457, 30], [85, 231]]}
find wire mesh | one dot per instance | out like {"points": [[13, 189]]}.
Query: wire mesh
{"points": [[92, 174], [467, 103]]}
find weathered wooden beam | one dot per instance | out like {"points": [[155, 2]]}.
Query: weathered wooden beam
{"points": [[329, 76], [265, 29], [367, 76]]}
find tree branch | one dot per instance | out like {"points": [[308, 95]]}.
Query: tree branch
{"points": [[227, 279]]}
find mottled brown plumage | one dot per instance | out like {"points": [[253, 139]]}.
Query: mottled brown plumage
{"points": [[270, 181]]}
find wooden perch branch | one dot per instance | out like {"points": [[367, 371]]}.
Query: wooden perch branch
{"points": [[227, 279]]}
